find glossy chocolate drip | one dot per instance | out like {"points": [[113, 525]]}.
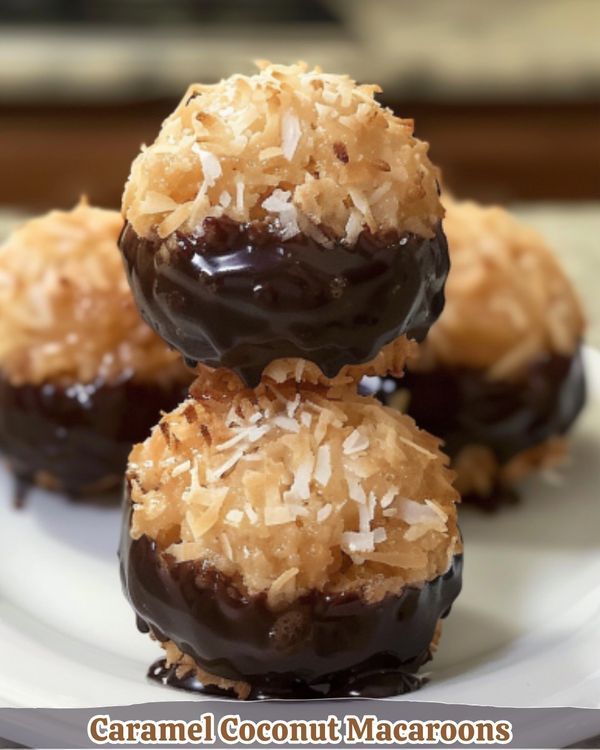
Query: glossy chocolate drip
{"points": [[77, 438], [240, 297], [321, 645], [464, 407]]}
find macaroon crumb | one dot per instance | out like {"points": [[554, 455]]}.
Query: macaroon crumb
{"points": [[390, 360]]}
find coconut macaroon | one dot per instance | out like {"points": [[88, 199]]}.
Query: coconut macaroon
{"points": [[284, 215], [290, 541], [82, 377], [499, 376]]}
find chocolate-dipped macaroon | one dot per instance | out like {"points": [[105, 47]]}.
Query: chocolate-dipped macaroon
{"points": [[285, 215], [289, 541], [499, 376], [82, 377]]}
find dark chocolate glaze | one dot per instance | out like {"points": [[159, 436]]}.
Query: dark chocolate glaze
{"points": [[79, 435], [320, 646], [463, 407], [240, 296]]}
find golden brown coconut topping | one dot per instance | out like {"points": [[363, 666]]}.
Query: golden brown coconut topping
{"points": [[66, 311], [301, 149], [507, 298], [288, 490]]}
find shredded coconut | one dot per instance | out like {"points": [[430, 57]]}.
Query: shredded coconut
{"points": [[320, 138], [300, 504]]}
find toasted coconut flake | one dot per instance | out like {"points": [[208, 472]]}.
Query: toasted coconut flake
{"points": [[291, 133], [201, 523], [251, 513], [355, 443], [515, 359], [353, 541], [324, 512], [185, 551], [281, 582], [354, 226], [292, 406], [300, 488], [158, 203], [388, 497], [227, 548], [298, 510], [414, 513], [287, 424], [413, 533], [416, 447], [278, 514], [240, 436], [355, 489], [379, 535], [181, 468], [299, 370], [239, 196], [225, 199], [322, 471], [214, 474], [211, 166], [234, 517], [365, 516], [278, 201], [436, 509]]}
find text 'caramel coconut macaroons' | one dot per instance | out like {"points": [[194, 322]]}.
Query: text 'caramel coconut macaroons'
{"points": [[82, 377], [276, 509], [500, 375], [285, 214]]}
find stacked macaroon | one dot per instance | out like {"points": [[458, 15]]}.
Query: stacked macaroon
{"points": [[500, 375], [82, 377], [283, 535]]}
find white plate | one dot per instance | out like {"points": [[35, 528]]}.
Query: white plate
{"points": [[524, 632]]}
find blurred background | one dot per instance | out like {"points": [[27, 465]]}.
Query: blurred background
{"points": [[506, 91]]}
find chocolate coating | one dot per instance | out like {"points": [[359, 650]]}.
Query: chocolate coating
{"points": [[78, 435], [463, 407], [321, 645], [240, 296]]}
